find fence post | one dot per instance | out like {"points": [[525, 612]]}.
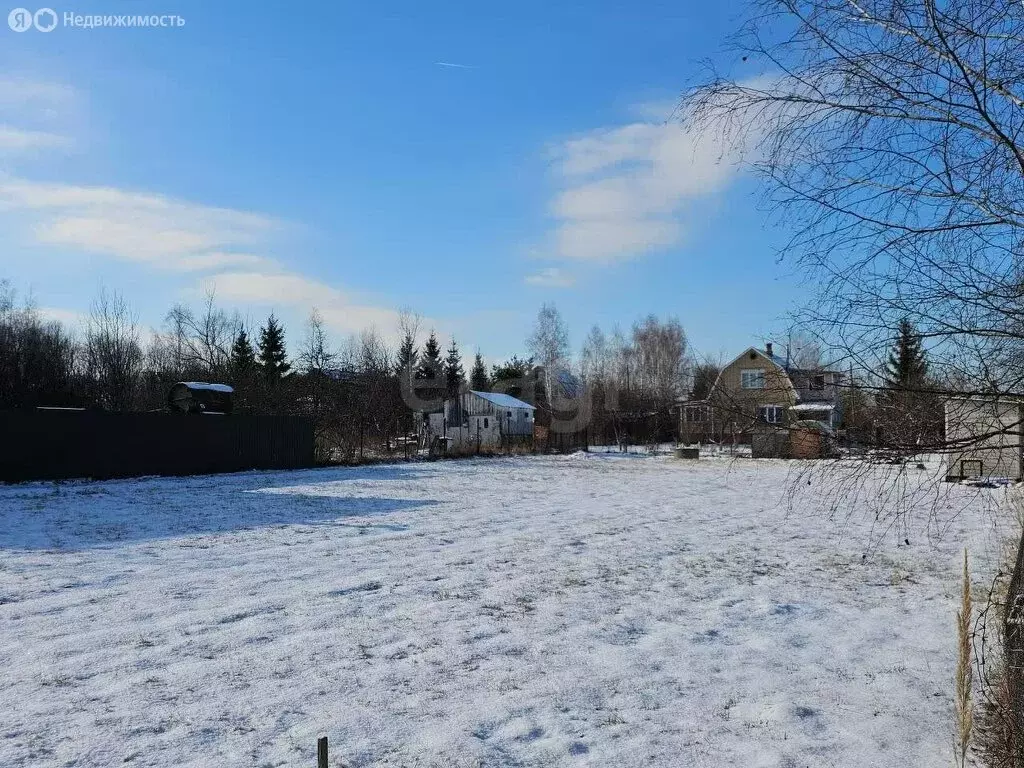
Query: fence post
{"points": [[321, 752]]}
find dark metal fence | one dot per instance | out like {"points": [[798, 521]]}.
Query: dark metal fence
{"points": [[62, 444], [547, 440]]}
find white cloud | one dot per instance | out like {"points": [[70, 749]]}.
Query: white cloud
{"points": [[47, 98], [219, 259], [606, 147], [78, 322], [551, 277], [159, 232], [162, 232], [657, 111], [18, 140], [615, 239], [341, 312], [70, 318], [624, 190], [34, 116]]}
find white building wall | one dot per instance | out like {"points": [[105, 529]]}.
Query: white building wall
{"points": [[483, 428], [511, 422], [982, 430]]}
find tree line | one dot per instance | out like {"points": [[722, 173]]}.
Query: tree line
{"points": [[622, 386], [361, 394]]}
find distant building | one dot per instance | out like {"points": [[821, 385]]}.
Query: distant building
{"points": [[758, 390], [480, 420], [984, 437]]}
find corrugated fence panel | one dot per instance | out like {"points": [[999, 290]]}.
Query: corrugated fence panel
{"points": [[55, 445]]}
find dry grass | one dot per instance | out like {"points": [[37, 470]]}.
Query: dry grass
{"points": [[997, 736], [964, 672]]}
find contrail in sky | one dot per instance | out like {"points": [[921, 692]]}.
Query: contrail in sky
{"points": [[453, 66]]}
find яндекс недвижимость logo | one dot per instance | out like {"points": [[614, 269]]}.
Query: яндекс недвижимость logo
{"points": [[46, 20], [22, 19]]}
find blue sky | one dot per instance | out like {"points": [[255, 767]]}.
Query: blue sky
{"points": [[324, 155]]}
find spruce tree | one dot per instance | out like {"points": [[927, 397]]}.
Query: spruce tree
{"points": [[273, 358], [478, 375], [907, 368], [454, 375], [430, 371], [243, 357], [430, 361], [910, 415], [513, 377], [408, 355]]}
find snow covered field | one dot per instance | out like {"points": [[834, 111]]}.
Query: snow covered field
{"points": [[606, 610]]}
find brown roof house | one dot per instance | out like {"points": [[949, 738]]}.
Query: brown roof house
{"points": [[760, 393]]}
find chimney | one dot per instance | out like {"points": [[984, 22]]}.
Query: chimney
{"points": [[768, 348]]}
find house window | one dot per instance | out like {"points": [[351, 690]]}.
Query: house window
{"points": [[485, 423], [752, 378], [970, 468], [817, 382], [510, 414], [770, 413], [696, 414]]}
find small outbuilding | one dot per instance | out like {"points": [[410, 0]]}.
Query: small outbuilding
{"points": [[513, 416], [476, 420], [810, 439], [200, 397], [984, 437]]}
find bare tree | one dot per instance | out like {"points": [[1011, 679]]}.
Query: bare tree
{"points": [[200, 343], [596, 369], [316, 387], [407, 360], [381, 404], [315, 353], [37, 357], [803, 351], [113, 352], [633, 383], [7, 296], [889, 135], [661, 362], [549, 345], [594, 360]]}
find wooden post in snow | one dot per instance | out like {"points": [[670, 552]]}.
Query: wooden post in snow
{"points": [[321, 752]]}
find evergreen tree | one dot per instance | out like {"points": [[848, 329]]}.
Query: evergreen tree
{"points": [[514, 378], [454, 375], [704, 377], [478, 380], [430, 366], [430, 371], [907, 368], [909, 416], [408, 354], [273, 358], [243, 357]]}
